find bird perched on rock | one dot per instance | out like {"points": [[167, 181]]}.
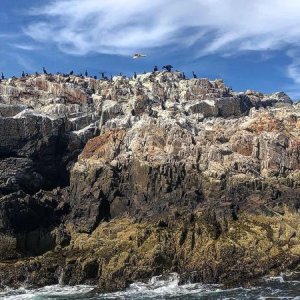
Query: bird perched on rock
{"points": [[168, 68], [2, 76], [138, 55], [44, 70], [194, 75], [71, 73], [183, 75], [155, 69], [23, 74], [95, 77], [134, 75], [86, 73], [102, 75]]}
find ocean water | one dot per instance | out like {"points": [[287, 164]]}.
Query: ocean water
{"points": [[167, 287]]}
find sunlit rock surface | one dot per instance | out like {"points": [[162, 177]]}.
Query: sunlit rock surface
{"points": [[111, 181]]}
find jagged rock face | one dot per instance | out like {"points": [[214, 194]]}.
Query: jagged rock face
{"points": [[157, 165], [151, 150]]}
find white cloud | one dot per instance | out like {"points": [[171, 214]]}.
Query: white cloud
{"points": [[123, 27], [26, 47]]}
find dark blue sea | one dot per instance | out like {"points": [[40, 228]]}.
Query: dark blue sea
{"points": [[281, 287]]}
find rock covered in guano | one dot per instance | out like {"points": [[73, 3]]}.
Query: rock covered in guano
{"points": [[112, 181]]}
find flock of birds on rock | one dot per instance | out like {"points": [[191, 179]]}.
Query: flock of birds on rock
{"points": [[167, 68]]}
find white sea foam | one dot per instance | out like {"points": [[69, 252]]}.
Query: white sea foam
{"points": [[47, 292], [165, 287]]}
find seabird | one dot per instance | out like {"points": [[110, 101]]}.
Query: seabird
{"points": [[71, 73], [194, 75], [155, 69], [168, 68], [138, 55], [86, 73], [134, 75], [23, 74], [2, 76]]}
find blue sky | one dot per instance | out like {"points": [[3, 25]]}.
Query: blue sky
{"points": [[250, 44]]}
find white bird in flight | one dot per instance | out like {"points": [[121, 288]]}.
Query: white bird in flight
{"points": [[137, 55]]}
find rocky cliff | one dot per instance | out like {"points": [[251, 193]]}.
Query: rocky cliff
{"points": [[112, 181]]}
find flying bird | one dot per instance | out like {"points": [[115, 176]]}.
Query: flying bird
{"points": [[138, 55]]}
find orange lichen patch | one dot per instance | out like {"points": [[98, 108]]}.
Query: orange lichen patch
{"points": [[267, 123], [104, 145], [243, 144]]}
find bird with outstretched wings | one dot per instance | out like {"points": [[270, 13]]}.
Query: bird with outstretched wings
{"points": [[138, 55]]}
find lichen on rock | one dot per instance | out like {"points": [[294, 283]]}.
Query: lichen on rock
{"points": [[112, 181]]}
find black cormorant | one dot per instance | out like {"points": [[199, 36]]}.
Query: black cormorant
{"points": [[155, 69], [168, 68], [44, 70], [194, 75]]}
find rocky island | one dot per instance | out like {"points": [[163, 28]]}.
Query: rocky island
{"points": [[108, 182]]}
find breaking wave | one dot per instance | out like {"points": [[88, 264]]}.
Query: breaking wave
{"points": [[167, 287]]}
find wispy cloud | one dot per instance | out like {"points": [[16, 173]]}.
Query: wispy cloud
{"points": [[26, 47], [122, 26], [218, 27]]}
